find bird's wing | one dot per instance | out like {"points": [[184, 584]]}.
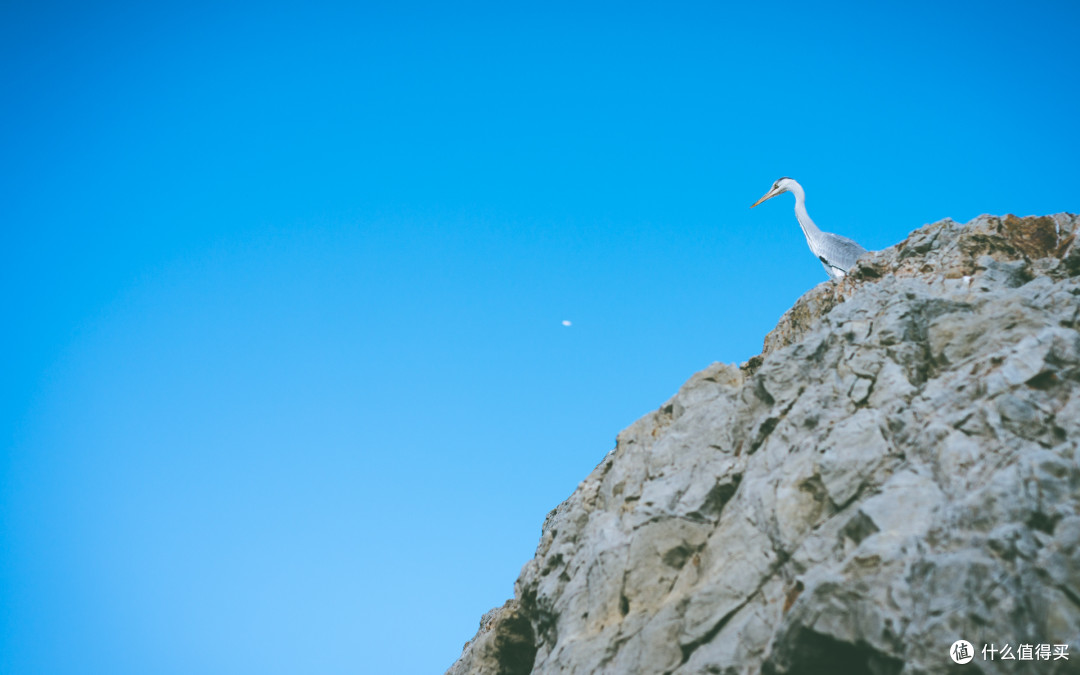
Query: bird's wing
{"points": [[839, 252], [833, 270]]}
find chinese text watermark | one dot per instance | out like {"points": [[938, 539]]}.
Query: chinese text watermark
{"points": [[963, 651]]}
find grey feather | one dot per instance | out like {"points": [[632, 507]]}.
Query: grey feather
{"points": [[836, 253]]}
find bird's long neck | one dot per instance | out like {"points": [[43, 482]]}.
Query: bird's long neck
{"points": [[810, 230]]}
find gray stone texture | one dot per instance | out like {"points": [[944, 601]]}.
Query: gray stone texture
{"points": [[897, 470]]}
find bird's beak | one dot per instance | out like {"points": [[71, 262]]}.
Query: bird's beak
{"points": [[768, 195]]}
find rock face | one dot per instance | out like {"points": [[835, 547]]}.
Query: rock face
{"points": [[897, 470]]}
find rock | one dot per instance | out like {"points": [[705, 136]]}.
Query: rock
{"points": [[897, 470], [504, 644]]}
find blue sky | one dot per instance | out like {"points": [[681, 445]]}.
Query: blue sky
{"points": [[285, 384]]}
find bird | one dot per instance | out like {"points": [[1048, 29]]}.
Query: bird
{"points": [[837, 254]]}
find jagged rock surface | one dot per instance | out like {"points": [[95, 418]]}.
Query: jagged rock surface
{"points": [[897, 470]]}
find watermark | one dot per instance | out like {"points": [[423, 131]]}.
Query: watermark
{"points": [[963, 651]]}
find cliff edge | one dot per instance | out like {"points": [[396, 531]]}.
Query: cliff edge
{"points": [[896, 471]]}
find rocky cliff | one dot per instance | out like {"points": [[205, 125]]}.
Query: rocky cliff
{"points": [[897, 470]]}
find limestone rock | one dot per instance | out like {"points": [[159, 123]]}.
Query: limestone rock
{"points": [[896, 471]]}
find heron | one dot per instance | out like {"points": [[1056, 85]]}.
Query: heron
{"points": [[837, 254]]}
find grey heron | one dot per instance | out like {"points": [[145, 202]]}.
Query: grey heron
{"points": [[837, 254]]}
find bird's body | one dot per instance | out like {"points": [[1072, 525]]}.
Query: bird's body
{"points": [[837, 254]]}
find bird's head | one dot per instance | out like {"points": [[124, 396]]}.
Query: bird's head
{"points": [[778, 188]]}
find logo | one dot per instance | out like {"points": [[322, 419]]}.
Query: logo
{"points": [[962, 651]]}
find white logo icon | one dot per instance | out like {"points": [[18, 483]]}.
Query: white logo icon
{"points": [[962, 651]]}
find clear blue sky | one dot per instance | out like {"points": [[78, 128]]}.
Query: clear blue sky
{"points": [[285, 386]]}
